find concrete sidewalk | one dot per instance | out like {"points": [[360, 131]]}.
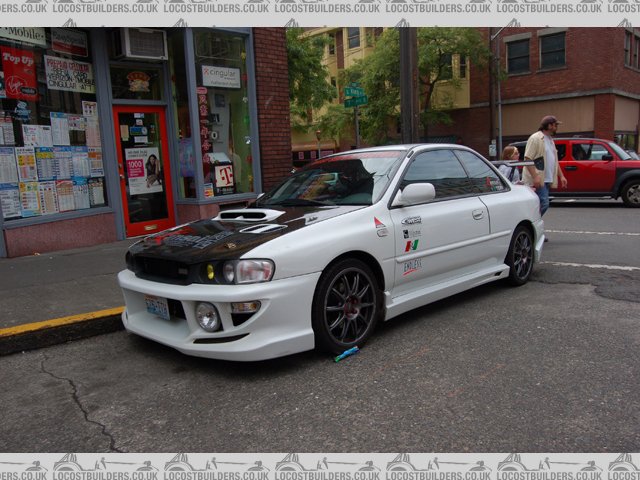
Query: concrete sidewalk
{"points": [[55, 297]]}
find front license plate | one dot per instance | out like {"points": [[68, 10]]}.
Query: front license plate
{"points": [[157, 306]]}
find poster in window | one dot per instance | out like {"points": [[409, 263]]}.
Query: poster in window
{"points": [[63, 162], [29, 199], [95, 161], [144, 170], [6, 129], [71, 42], [80, 160], [96, 192], [48, 197], [33, 35], [8, 168], [64, 189], [26, 158], [69, 75], [19, 74], [3, 92], [81, 193], [60, 128], [45, 163], [10, 200], [37, 135]]}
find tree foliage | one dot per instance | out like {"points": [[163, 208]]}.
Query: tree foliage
{"points": [[379, 75], [309, 87]]}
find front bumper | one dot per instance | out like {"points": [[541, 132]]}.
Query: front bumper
{"points": [[281, 327]]}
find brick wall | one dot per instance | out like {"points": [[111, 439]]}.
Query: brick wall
{"points": [[272, 80]]}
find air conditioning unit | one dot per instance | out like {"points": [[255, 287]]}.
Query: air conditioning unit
{"points": [[140, 44]]}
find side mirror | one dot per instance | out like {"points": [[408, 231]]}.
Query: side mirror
{"points": [[413, 194]]}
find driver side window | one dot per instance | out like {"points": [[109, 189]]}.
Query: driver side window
{"points": [[442, 169]]}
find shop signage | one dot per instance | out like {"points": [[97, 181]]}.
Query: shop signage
{"points": [[35, 35], [138, 82], [143, 170], [69, 41], [220, 77], [19, 73], [69, 75]]}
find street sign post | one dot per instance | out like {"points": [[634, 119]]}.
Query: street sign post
{"points": [[356, 101], [353, 92]]}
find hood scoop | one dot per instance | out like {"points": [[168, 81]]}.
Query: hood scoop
{"points": [[263, 228], [249, 215]]}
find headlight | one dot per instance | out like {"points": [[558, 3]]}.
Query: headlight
{"points": [[208, 317], [248, 271]]}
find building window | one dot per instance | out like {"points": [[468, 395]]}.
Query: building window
{"points": [[627, 48], [446, 69], [552, 51], [353, 36], [223, 110], [463, 66], [332, 44], [636, 50], [50, 146], [518, 56]]}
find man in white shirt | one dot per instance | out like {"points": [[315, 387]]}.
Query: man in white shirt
{"points": [[546, 172]]}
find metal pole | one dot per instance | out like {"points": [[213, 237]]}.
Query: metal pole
{"points": [[357, 117], [499, 150], [408, 83]]}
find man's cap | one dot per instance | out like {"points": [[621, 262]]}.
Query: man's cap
{"points": [[548, 119]]}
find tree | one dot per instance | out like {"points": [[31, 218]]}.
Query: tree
{"points": [[379, 75], [309, 88]]}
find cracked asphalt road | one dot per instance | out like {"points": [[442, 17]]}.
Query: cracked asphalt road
{"points": [[549, 367]]}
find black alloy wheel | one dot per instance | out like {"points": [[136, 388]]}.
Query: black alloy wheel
{"points": [[631, 193], [520, 256], [346, 306]]}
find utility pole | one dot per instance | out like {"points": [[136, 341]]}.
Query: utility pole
{"points": [[409, 84]]}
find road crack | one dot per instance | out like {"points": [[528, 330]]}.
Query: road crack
{"points": [[76, 400]]}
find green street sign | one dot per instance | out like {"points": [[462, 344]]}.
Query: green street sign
{"points": [[353, 92], [355, 101]]}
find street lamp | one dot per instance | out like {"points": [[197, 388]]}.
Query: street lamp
{"points": [[318, 132]]}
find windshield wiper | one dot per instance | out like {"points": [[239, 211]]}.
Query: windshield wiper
{"points": [[301, 202]]}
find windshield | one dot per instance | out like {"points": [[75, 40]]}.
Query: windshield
{"points": [[350, 179], [619, 151]]}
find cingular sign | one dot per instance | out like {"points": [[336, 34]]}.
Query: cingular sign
{"points": [[220, 77]]}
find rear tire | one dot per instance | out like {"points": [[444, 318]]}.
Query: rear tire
{"points": [[631, 193], [346, 307], [520, 256]]}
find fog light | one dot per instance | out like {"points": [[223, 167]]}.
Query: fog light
{"points": [[210, 273], [245, 307], [208, 317]]}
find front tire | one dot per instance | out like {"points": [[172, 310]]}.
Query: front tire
{"points": [[631, 193], [346, 306], [520, 256]]}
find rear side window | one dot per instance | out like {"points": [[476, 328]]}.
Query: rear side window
{"points": [[482, 176], [442, 169], [588, 151]]}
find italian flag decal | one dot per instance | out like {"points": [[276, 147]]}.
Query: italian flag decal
{"points": [[411, 245]]}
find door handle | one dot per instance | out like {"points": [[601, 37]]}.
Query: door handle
{"points": [[478, 214], [571, 167], [122, 176]]}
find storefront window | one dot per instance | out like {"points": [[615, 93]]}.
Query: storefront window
{"points": [[50, 147], [186, 152], [134, 83], [223, 110]]}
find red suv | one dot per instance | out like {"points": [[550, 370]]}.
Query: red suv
{"points": [[596, 168]]}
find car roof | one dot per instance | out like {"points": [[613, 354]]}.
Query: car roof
{"points": [[555, 139], [400, 147]]}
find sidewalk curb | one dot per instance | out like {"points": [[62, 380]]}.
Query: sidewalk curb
{"points": [[60, 330]]}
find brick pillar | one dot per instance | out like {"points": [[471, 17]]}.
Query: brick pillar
{"points": [[272, 85], [604, 116]]}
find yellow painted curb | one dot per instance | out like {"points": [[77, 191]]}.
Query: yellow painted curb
{"points": [[57, 322]]}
